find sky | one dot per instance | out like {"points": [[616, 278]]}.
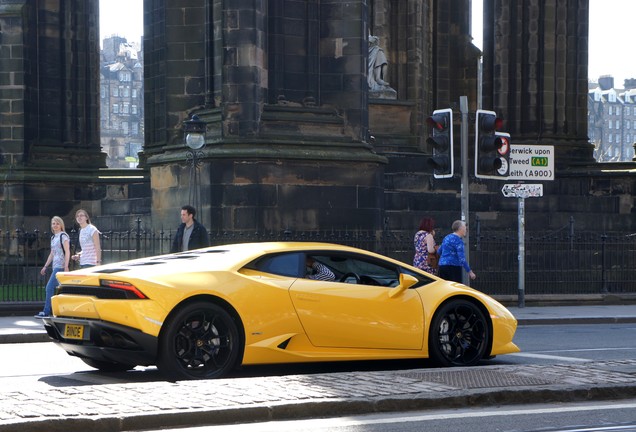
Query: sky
{"points": [[610, 32], [121, 18]]}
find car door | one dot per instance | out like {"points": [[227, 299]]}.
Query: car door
{"points": [[359, 315]]}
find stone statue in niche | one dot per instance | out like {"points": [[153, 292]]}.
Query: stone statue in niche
{"points": [[377, 65]]}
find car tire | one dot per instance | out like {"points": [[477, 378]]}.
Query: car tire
{"points": [[106, 366], [200, 341], [459, 334]]}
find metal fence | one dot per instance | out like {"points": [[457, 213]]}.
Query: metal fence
{"points": [[561, 262]]}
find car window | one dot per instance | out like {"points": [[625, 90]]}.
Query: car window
{"points": [[356, 269], [285, 264]]}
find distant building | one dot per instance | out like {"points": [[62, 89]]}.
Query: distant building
{"points": [[121, 99], [612, 120]]}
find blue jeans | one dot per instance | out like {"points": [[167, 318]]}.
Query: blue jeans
{"points": [[50, 291]]}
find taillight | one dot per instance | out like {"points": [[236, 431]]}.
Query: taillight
{"points": [[121, 285]]}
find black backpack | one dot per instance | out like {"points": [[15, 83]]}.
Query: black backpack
{"points": [[62, 240]]}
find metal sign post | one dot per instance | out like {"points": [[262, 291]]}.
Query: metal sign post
{"points": [[522, 191], [463, 108]]}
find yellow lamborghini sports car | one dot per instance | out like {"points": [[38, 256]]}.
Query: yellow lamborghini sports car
{"points": [[199, 314]]}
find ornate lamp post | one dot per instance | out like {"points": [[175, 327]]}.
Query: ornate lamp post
{"points": [[194, 132]]}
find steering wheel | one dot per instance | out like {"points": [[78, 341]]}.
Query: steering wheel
{"points": [[350, 275]]}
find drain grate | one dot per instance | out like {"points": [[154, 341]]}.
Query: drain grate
{"points": [[477, 378]]}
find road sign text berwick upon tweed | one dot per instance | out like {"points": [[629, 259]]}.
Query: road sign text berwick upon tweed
{"points": [[531, 162]]}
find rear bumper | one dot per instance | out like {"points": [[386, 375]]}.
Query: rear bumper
{"points": [[104, 341]]}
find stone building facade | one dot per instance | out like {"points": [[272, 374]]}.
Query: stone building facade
{"points": [[295, 139], [612, 120]]}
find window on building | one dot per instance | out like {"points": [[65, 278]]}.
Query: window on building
{"points": [[133, 109], [124, 128], [135, 128], [618, 124], [611, 138], [609, 110], [134, 93], [126, 92], [610, 123], [125, 108], [115, 109], [102, 92], [627, 110], [124, 76], [116, 91]]}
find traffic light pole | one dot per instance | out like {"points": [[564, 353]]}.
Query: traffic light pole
{"points": [[463, 108]]}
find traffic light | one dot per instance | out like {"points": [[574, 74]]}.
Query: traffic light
{"points": [[492, 148], [442, 142]]}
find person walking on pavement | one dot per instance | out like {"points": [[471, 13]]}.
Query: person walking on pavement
{"points": [[451, 254], [191, 234], [58, 259], [91, 249], [426, 257]]}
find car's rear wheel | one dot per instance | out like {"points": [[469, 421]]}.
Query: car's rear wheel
{"points": [[200, 341], [106, 366], [459, 334]]}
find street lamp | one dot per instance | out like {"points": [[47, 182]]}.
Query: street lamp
{"points": [[194, 131]]}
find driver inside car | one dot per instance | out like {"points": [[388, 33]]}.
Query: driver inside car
{"points": [[318, 271]]}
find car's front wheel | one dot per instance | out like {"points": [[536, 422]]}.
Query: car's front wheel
{"points": [[200, 341], [459, 334]]}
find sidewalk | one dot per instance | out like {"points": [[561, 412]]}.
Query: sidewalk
{"points": [[144, 405]]}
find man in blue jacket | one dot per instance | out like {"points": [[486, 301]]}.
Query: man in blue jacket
{"points": [[190, 234]]}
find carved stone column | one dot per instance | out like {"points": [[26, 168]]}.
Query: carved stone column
{"points": [[49, 139], [535, 73]]}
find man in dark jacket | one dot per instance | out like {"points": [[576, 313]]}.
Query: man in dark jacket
{"points": [[190, 234]]}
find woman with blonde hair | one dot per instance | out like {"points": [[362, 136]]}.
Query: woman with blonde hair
{"points": [[91, 251], [58, 259]]}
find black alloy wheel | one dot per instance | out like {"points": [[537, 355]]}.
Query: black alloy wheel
{"points": [[200, 341], [459, 334]]}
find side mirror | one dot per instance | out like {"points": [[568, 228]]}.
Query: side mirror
{"points": [[406, 282]]}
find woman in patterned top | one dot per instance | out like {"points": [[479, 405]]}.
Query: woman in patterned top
{"points": [[451, 254], [58, 259], [91, 253], [424, 242]]}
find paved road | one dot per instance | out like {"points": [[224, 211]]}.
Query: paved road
{"points": [[143, 405]]}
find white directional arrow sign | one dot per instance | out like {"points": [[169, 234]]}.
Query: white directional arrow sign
{"points": [[522, 190]]}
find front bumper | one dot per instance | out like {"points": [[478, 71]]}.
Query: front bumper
{"points": [[104, 341]]}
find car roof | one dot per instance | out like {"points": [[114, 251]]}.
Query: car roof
{"points": [[222, 257]]}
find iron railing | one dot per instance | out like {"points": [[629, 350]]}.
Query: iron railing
{"points": [[561, 262]]}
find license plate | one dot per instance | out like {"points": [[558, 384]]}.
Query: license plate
{"points": [[73, 331]]}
